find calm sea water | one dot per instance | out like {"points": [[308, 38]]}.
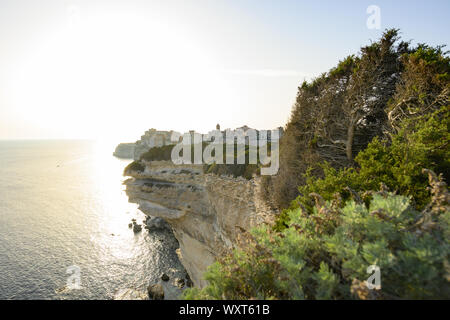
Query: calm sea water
{"points": [[62, 204]]}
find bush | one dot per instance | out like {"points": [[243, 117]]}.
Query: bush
{"points": [[424, 86], [236, 170], [421, 142], [337, 114], [158, 153], [246, 170], [368, 95], [325, 255], [389, 107]]}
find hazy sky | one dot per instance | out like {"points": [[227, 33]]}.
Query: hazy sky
{"points": [[112, 69]]}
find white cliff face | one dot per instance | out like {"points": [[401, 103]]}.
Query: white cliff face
{"points": [[205, 211], [125, 150]]}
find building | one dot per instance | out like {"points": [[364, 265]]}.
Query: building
{"points": [[152, 138]]}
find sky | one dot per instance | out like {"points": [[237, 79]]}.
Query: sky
{"points": [[113, 69]]}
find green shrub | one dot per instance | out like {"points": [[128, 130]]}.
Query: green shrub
{"points": [[320, 247], [163, 153], [425, 84], [325, 255], [420, 143], [367, 95], [337, 114], [246, 170], [236, 170]]}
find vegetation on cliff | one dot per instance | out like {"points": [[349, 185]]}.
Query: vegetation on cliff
{"points": [[365, 96], [325, 254], [246, 170], [421, 142], [158, 153], [379, 119], [164, 153]]}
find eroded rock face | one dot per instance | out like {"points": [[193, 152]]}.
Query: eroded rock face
{"points": [[206, 212]]}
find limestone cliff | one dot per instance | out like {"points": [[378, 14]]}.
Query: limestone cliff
{"points": [[125, 150], [205, 211]]}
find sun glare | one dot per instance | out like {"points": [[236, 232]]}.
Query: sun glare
{"points": [[101, 72]]}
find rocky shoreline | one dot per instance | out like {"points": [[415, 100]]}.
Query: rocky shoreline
{"points": [[206, 212], [173, 279]]}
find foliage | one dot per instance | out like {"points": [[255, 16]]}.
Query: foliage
{"points": [[424, 85], [421, 142], [245, 170], [158, 153], [237, 170], [325, 254], [365, 96], [375, 120]]}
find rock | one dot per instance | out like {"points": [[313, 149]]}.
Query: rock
{"points": [[156, 292], [220, 208], [137, 228], [189, 281], [130, 225], [165, 277], [156, 223], [179, 282]]}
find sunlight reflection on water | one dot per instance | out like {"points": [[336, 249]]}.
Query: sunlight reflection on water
{"points": [[62, 203]]}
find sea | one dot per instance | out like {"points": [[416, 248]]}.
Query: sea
{"points": [[64, 230]]}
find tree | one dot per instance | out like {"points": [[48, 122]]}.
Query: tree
{"points": [[424, 85], [365, 96]]}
